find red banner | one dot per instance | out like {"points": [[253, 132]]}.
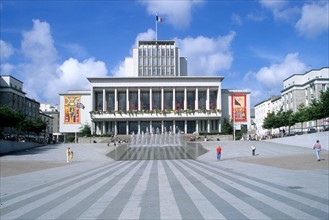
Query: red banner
{"points": [[239, 108]]}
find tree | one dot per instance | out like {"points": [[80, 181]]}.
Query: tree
{"points": [[324, 100], [8, 117], [270, 121], [289, 119], [85, 130], [302, 115]]}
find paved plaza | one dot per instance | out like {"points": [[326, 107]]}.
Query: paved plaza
{"points": [[281, 182]]}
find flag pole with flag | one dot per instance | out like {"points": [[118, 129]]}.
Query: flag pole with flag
{"points": [[157, 19]]}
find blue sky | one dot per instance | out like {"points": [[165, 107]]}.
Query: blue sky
{"points": [[52, 46]]}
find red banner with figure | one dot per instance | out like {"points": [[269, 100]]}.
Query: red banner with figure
{"points": [[239, 107]]}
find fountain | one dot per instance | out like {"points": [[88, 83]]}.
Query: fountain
{"points": [[154, 145]]}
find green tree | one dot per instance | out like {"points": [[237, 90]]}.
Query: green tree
{"points": [[85, 131], [8, 117], [302, 115], [289, 118], [270, 121], [324, 101]]}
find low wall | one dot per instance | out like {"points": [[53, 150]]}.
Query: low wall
{"points": [[7, 147]]}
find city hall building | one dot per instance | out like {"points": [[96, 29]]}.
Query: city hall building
{"points": [[159, 97]]}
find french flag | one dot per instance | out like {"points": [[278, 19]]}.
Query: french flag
{"points": [[158, 19]]}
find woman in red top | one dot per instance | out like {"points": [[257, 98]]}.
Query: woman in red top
{"points": [[219, 152]]}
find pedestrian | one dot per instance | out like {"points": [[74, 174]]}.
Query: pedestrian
{"points": [[219, 152], [71, 156], [68, 154], [317, 148], [253, 150]]}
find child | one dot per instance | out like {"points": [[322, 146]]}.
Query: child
{"points": [[71, 156]]}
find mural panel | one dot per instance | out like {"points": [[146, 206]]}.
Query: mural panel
{"points": [[71, 110], [239, 110]]}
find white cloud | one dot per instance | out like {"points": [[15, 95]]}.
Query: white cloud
{"points": [[73, 74], [148, 35], [120, 70], [176, 13], [38, 45], [6, 50], [281, 10], [207, 56], [272, 77], [314, 20], [44, 78]]}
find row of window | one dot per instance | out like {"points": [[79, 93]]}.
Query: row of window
{"points": [[145, 100], [153, 61], [157, 126], [156, 51]]}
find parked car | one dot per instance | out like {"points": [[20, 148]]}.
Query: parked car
{"points": [[311, 130]]}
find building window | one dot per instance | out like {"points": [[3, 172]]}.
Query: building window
{"points": [[145, 127], [122, 101], [167, 104], [133, 101], [110, 101], [156, 100], [122, 127], [145, 100], [168, 126], [179, 126], [190, 127], [179, 98], [191, 100], [133, 127], [156, 125], [202, 99], [99, 101], [213, 100]]}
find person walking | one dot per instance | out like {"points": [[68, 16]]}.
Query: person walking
{"points": [[317, 148], [68, 155], [253, 150], [219, 152]]}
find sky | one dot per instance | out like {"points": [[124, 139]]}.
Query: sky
{"points": [[53, 46]]}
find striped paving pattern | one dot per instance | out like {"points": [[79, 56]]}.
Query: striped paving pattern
{"points": [[162, 189]]}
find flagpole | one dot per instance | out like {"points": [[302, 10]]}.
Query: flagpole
{"points": [[156, 27]]}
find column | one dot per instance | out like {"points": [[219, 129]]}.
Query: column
{"points": [[104, 100], [218, 99], [197, 125], [115, 128], [174, 99], [139, 99], [127, 99], [196, 99], [162, 99], [207, 100], [185, 99], [115, 99], [104, 127], [151, 104]]}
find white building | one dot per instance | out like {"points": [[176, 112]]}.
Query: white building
{"points": [[262, 109], [236, 107], [297, 89], [302, 88], [159, 97]]}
